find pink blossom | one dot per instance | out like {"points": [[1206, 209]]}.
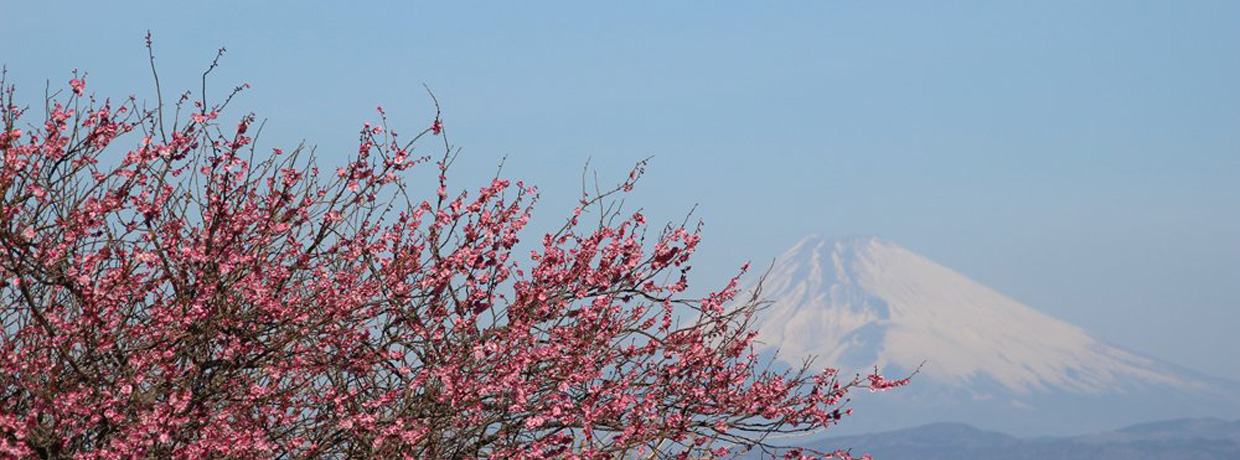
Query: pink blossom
{"points": [[204, 300], [79, 85], [534, 422]]}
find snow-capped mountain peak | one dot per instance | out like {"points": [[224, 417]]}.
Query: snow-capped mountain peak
{"points": [[857, 302]]}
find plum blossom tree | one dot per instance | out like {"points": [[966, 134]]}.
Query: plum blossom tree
{"points": [[171, 291]]}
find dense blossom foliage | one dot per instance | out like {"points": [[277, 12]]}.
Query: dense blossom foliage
{"points": [[171, 291]]}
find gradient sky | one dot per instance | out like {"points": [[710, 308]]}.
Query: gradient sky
{"points": [[1081, 157]]}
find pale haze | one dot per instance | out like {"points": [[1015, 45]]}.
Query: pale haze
{"points": [[1082, 158]]}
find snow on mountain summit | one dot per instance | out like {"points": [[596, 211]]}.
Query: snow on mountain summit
{"points": [[863, 301]]}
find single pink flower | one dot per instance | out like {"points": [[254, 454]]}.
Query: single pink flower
{"points": [[535, 421]]}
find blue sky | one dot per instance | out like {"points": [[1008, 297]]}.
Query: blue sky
{"points": [[1081, 157]]}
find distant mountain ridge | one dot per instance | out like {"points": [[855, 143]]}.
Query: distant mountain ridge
{"points": [[1182, 439], [858, 302]]}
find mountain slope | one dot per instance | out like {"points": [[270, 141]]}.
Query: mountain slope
{"points": [[860, 302]]}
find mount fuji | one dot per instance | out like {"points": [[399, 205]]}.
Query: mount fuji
{"points": [[985, 359]]}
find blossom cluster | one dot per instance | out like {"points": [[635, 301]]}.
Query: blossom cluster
{"points": [[171, 291]]}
